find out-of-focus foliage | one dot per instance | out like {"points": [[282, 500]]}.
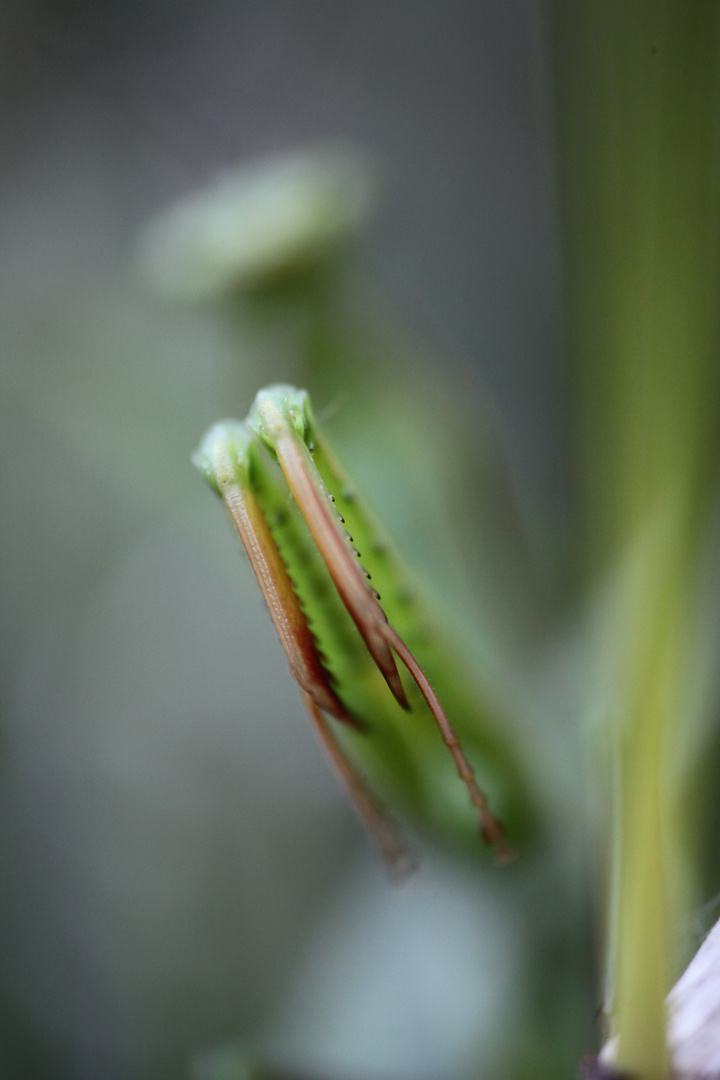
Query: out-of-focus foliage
{"points": [[639, 120]]}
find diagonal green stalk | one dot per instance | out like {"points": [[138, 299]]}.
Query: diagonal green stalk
{"points": [[639, 138]]}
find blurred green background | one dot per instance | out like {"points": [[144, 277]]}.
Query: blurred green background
{"points": [[180, 870]]}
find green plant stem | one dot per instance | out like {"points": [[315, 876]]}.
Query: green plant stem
{"points": [[638, 131]]}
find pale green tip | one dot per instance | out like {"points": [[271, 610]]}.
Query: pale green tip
{"points": [[223, 456], [279, 408], [258, 225]]}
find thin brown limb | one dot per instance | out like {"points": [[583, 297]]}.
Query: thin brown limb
{"points": [[296, 638], [492, 831], [305, 484], [393, 851]]}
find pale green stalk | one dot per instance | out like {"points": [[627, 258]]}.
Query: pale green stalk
{"points": [[638, 96]]}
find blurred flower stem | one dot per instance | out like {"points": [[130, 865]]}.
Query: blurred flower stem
{"points": [[637, 94]]}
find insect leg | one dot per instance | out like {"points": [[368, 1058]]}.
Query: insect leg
{"points": [[275, 416], [492, 830], [356, 594], [226, 457], [391, 847]]}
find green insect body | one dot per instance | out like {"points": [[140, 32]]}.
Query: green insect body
{"points": [[345, 608]]}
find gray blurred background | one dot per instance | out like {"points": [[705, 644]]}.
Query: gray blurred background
{"points": [[174, 878]]}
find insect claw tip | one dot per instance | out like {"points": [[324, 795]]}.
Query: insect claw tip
{"points": [[400, 867], [400, 695], [493, 834], [505, 857]]}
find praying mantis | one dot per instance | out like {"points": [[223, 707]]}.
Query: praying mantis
{"points": [[344, 612]]}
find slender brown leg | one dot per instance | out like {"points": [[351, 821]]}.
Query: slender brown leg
{"points": [[392, 849], [492, 830]]}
